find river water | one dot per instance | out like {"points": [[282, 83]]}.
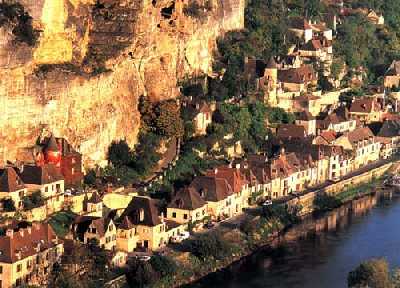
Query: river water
{"points": [[321, 251]]}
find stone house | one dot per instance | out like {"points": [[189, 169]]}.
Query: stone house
{"points": [[392, 76], [363, 144], [187, 206], [337, 122], [389, 136], [28, 255], [12, 187], [219, 195], [366, 110], [127, 237], [308, 121], [48, 180], [290, 132], [200, 112], [151, 229]]}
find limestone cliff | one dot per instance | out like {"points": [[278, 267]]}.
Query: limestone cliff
{"points": [[93, 60]]}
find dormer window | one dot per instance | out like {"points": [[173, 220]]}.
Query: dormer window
{"points": [[141, 215]]}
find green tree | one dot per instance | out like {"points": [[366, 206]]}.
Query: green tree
{"points": [[119, 153], [90, 177], [373, 273], [210, 245], [163, 265], [168, 120], [139, 273], [9, 205]]}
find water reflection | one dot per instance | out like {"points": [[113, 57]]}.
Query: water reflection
{"points": [[322, 250]]}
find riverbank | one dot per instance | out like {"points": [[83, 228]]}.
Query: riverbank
{"points": [[258, 230]]}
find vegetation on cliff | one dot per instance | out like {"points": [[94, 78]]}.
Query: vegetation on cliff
{"points": [[14, 17]]}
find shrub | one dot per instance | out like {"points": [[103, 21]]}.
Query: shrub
{"points": [[139, 273], [9, 205], [372, 273], [90, 177], [163, 265], [326, 202], [33, 201], [210, 245]]}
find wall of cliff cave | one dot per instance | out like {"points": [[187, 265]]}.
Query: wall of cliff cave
{"points": [[93, 59]]}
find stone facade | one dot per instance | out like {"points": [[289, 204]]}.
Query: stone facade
{"points": [[73, 85]]}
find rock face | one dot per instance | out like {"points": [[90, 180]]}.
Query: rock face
{"points": [[93, 59]]}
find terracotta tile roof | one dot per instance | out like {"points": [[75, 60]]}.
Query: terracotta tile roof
{"points": [[9, 180], [188, 199], [26, 242], [290, 131], [40, 175], [364, 105], [272, 64], [303, 74], [170, 224], [312, 45], [235, 179], [359, 134], [144, 205], [299, 23], [329, 136], [211, 188]]}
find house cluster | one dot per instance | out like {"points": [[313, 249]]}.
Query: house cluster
{"points": [[291, 82], [30, 190]]}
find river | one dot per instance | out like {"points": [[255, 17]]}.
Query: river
{"points": [[321, 251]]}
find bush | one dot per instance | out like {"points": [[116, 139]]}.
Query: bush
{"points": [[210, 245], [9, 205], [90, 177], [163, 265], [326, 202], [372, 273], [139, 273], [33, 201]]}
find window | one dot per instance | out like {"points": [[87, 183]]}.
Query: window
{"points": [[185, 216], [1, 269], [141, 215], [173, 214], [58, 187], [19, 267], [18, 282]]}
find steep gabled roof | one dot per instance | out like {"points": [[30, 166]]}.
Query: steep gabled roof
{"points": [[40, 175], [126, 224], [390, 128], [51, 145], [359, 134], [95, 198], [211, 188], [290, 131], [27, 242], [364, 105], [142, 206], [188, 199], [9, 180], [232, 175]]}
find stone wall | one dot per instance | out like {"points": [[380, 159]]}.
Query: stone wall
{"points": [[88, 92]]}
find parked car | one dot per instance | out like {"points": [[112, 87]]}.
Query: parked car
{"points": [[267, 203], [144, 258], [209, 225], [180, 237]]}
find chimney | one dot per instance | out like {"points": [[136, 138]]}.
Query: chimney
{"points": [[21, 232], [10, 233], [238, 166], [29, 229], [215, 171], [162, 217]]}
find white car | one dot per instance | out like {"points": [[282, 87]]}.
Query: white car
{"points": [[180, 237], [267, 203], [144, 258]]}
